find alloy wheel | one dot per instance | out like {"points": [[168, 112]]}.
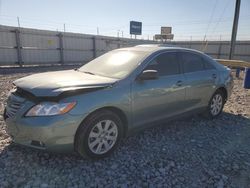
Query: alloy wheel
{"points": [[216, 104], [102, 137]]}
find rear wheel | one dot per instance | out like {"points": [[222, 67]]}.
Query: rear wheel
{"points": [[99, 135], [216, 104]]}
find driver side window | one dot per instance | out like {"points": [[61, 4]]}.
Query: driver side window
{"points": [[166, 64]]}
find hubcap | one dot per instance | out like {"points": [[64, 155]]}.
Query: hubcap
{"points": [[102, 137], [216, 104]]}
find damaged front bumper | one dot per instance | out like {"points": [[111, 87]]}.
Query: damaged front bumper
{"points": [[53, 133]]}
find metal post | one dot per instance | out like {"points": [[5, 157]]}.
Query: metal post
{"points": [[94, 47], [237, 73], [234, 30], [60, 35], [119, 43], [18, 22], [190, 42], [18, 47], [97, 31], [219, 49]]}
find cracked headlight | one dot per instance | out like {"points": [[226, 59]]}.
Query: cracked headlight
{"points": [[50, 109]]}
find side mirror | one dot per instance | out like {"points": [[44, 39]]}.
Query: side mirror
{"points": [[148, 75]]}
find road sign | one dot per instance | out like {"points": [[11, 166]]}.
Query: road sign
{"points": [[166, 30], [135, 28], [165, 37]]}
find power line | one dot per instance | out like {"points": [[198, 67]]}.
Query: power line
{"points": [[211, 17], [216, 24], [183, 22], [222, 14], [198, 25]]}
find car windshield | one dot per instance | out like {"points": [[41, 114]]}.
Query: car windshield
{"points": [[114, 64]]}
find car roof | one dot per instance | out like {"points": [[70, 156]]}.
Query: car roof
{"points": [[150, 48]]}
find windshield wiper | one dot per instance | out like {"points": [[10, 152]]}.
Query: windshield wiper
{"points": [[88, 72]]}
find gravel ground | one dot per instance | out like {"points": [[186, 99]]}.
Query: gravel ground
{"points": [[187, 153]]}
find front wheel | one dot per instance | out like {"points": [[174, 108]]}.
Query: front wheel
{"points": [[99, 135], [216, 105]]}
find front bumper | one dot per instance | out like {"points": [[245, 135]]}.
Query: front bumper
{"points": [[51, 133]]}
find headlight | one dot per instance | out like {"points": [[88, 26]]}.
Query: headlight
{"points": [[13, 90], [50, 109]]}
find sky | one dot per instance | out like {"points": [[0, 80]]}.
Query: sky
{"points": [[189, 19]]}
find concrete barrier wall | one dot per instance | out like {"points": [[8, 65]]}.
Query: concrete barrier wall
{"points": [[22, 46]]}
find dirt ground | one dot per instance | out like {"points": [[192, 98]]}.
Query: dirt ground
{"points": [[193, 152]]}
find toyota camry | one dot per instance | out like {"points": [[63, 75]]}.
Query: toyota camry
{"points": [[90, 109]]}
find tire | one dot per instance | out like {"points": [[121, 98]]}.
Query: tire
{"points": [[99, 135], [215, 105]]}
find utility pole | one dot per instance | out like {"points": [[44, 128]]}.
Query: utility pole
{"points": [[18, 22], [234, 30], [118, 33], [64, 28], [97, 31]]}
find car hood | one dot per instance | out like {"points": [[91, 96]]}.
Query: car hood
{"points": [[54, 83]]}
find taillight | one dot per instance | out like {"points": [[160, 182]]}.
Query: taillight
{"points": [[231, 73]]}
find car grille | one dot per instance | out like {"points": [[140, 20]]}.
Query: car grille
{"points": [[14, 103]]}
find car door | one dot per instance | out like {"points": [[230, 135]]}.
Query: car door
{"points": [[200, 79], [162, 97]]}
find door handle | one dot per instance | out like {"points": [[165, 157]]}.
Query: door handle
{"points": [[179, 83], [214, 76]]}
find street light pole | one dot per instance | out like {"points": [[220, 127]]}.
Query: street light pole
{"points": [[234, 30]]}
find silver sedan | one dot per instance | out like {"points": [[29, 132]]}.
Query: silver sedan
{"points": [[92, 108]]}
